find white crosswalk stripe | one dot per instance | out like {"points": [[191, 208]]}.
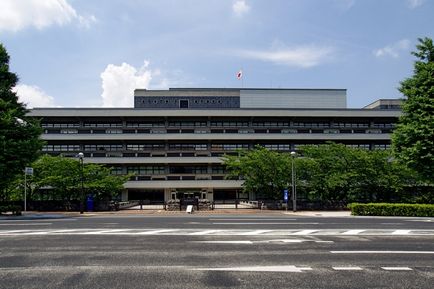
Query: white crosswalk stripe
{"points": [[353, 232], [351, 268], [219, 232], [396, 268]]}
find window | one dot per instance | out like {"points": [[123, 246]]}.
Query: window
{"points": [[145, 124], [117, 171], [147, 170], [113, 131], [103, 147], [278, 147], [60, 125], [197, 147], [229, 147], [60, 148], [183, 103], [229, 123], [103, 125], [145, 147], [218, 170], [69, 131]]}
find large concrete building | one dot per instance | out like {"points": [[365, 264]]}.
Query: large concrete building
{"points": [[172, 140]]}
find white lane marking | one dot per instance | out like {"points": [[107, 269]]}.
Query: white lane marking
{"points": [[401, 232], [109, 231], [13, 231], [155, 232], [397, 268], [264, 223], [382, 252], [27, 224], [222, 232], [353, 232], [36, 233], [256, 232], [65, 231], [224, 242], [286, 241], [251, 219], [305, 232], [324, 241], [205, 232], [352, 268], [289, 268], [429, 220]]}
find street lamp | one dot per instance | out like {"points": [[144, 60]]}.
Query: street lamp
{"points": [[81, 157], [294, 194]]}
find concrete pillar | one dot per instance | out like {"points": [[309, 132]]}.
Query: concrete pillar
{"points": [[167, 194], [124, 196]]}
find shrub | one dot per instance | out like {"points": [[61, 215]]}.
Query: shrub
{"points": [[385, 209], [16, 210]]}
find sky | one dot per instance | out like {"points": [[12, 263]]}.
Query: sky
{"points": [[94, 53]]}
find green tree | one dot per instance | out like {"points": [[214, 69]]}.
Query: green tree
{"points": [[265, 173], [19, 134], [63, 178], [413, 138], [334, 172]]}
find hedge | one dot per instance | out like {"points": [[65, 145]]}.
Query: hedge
{"points": [[386, 209], [16, 210]]}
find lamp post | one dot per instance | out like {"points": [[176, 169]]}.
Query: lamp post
{"points": [[294, 194], [81, 157]]}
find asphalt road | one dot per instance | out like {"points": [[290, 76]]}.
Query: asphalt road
{"points": [[231, 251]]}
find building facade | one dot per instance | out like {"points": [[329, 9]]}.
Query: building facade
{"points": [[172, 140]]}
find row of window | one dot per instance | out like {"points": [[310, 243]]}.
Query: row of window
{"points": [[221, 124], [216, 131], [181, 147], [161, 170]]}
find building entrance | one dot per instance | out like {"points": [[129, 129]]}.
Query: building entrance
{"points": [[147, 196], [185, 194]]}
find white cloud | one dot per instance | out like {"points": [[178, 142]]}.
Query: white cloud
{"points": [[33, 96], [301, 56], [393, 50], [344, 4], [119, 82], [16, 15], [415, 3], [240, 7]]}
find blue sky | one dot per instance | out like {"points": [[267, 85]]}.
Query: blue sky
{"points": [[95, 52]]}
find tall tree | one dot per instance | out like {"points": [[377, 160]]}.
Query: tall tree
{"points": [[19, 134], [413, 139], [265, 172], [63, 176]]}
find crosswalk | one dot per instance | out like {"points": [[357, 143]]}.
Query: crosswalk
{"points": [[300, 269], [222, 232]]}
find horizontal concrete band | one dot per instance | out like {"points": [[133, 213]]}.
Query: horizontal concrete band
{"points": [[131, 112], [216, 184], [221, 136], [154, 160]]}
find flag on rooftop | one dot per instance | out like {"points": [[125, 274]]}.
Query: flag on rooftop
{"points": [[240, 74]]}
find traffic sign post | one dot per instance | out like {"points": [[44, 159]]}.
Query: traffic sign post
{"points": [[285, 197], [28, 171]]}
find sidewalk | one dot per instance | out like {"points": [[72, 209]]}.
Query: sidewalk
{"points": [[30, 215], [319, 213]]}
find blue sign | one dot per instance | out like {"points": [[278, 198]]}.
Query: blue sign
{"points": [[285, 195]]}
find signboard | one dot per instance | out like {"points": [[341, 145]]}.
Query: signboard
{"points": [[285, 195], [189, 209], [28, 171]]}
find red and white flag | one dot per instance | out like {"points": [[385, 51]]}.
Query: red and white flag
{"points": [[240, 74]]}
